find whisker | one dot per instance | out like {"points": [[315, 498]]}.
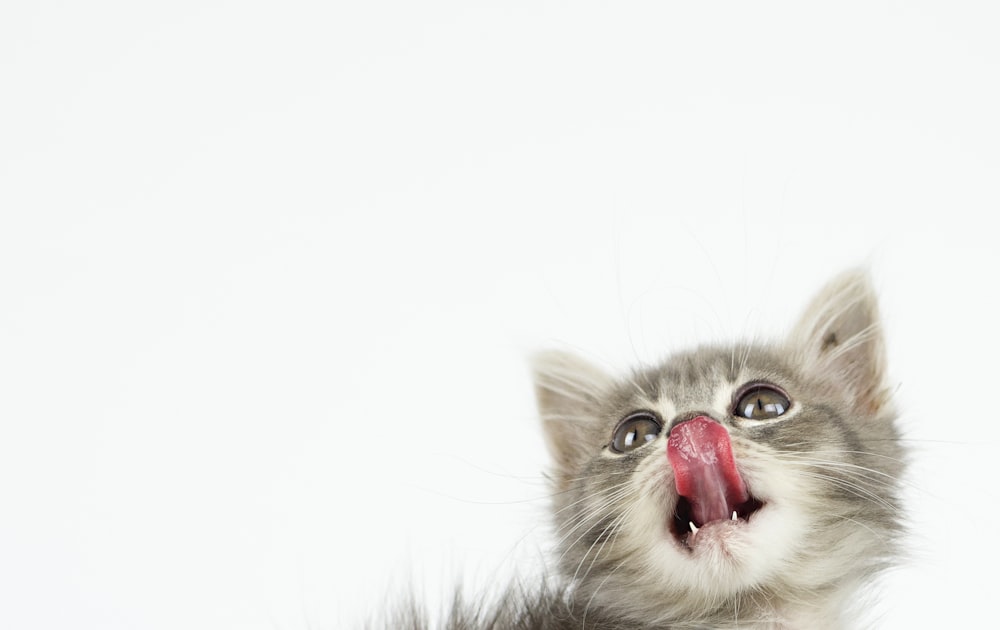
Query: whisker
{"points": [[587, 516], [887, 480], [855, 489], [588, 497], [611, 573], [611, 527], [837, 452]]}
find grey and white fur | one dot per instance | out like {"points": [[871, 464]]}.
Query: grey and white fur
{"points": [[822, 470]]}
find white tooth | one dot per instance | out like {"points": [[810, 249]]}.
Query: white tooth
{"points": [[734, 515], [694, 530]]}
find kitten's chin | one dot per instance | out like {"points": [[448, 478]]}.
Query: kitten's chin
{"points": [[723, 556]]}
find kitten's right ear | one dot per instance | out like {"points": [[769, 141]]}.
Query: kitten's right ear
{"points": [[840, 337], [569, 391]]}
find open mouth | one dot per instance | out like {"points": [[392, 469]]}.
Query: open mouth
{"points": [[709, 485], [685, 525]]}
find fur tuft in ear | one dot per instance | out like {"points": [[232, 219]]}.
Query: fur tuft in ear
{"points": [[839, 337], [569, 391]]}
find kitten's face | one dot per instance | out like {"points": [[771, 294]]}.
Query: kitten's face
{"points": [[727, 475]]}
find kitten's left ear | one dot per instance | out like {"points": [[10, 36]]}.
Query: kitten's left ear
{"points": [[840, 336], [569, 391]]}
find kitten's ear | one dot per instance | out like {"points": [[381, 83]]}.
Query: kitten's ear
{"points": [[569, 390], [840, 336]]}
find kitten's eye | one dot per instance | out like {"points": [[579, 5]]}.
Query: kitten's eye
{"points": [[762, 402], [634, 431]]}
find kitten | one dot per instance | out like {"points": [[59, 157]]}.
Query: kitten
{"points": [[752, 486]]}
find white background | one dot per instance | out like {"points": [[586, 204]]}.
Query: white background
{"points": [[270, 274]]}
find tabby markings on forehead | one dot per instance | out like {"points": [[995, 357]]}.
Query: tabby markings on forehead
{"points": [[718, 406]]}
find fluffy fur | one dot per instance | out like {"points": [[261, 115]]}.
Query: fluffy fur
{"points": [[825, 473]]}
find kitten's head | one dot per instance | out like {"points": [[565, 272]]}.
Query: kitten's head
{"points": [[729, 482]]}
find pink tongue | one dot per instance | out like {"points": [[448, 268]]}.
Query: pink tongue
{"points": [[704, 469]]}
